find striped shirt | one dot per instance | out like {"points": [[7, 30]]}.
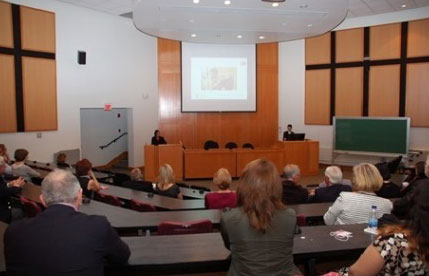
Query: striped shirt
{"points": [[355, 207]]}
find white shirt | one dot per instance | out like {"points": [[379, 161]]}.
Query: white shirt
{"points": [[355, 207]]}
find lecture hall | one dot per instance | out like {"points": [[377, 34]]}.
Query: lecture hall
{"points": [[214, 137]]}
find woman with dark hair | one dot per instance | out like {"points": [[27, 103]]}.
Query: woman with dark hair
{"points": [[259, 232], [19, 168], [87, 179], [401, 249], [418, 174], [157, 139]]}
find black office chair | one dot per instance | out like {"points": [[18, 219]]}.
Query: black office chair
{"points": [[248, 146], [231, 145], [394, 164], [211, 145]]}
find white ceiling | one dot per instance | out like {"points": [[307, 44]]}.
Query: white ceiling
{"points": [[213, 22]]}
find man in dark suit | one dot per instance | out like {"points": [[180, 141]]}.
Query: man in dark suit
{"points": [[287, 135], [333, 179], [293, 193], [62, 241], [6, 191]]}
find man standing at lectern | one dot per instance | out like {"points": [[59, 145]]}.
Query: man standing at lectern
{"points": [[287, 135]]}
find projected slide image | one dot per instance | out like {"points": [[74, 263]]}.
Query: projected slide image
{"points": [[219, 78]]}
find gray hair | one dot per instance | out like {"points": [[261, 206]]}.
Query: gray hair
{"points": [[60, 186], [334, 174], [291, 170]]}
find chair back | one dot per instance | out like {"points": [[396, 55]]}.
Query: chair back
{"points": [[231, 145], [31, 208], [141, 207], [211, 145], [109, 199], [179, 228], [248, 146], [301, 220]]}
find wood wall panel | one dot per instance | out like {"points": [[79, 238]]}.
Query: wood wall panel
{"points": [[417, 104], [385, 41], [193, 129], [384, 91], [37, 30], [7, 94], [349, 91], [318, 49], [349, 45], [418, 38], [6, 30], [317, 97], [40, 97]]}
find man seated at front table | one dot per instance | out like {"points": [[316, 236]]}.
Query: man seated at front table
{"points": [[61, 240], [293, 193], [334, 186]]}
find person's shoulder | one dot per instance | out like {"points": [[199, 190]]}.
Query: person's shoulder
{"points": [[94, 220], [287, 212], [230, 213]]}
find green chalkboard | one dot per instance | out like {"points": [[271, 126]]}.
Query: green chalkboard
{"points": [[372, 135]]}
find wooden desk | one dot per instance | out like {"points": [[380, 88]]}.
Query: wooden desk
{"points": [[305, 154], [206, 252], [156, 156], [200, 163], [244, 156], [162, 202]]}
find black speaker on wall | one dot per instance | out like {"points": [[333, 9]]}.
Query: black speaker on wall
{"points": [[81, 57]]}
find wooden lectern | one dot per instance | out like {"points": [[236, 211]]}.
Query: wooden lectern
{"points": [[156, 156], [305, 154]]}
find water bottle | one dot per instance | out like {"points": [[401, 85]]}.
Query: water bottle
{"points": [[373, 221]]}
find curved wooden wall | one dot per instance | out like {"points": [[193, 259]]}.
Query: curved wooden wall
{"points": [[193, 129]]}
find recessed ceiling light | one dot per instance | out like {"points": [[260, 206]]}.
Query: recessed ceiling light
{"points": [[303, 6], [404, 6], [261, 37], [275, 4], [196, 1], [227, 2], [193, 35], [239, 36], [309, 25]]}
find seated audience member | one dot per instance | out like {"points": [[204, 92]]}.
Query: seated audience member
{"points": [[418, 174], [388, 189], [137, 182], [354, 207], [61, 161], [157, 139], [287, 135], [86, 178], [401, 206], [4, 154], [13, 188], [399, 249], [166, 185], [224, 197], [333, 178], [61, 240], [20, 169], [293, 193], [260, 231]]}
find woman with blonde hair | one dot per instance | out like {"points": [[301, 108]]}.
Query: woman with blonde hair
{"points": [[355, 207], [260, 231], [224, 197], [166, 185]]}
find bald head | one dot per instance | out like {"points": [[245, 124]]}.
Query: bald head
{"points": [[61, 186]]}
